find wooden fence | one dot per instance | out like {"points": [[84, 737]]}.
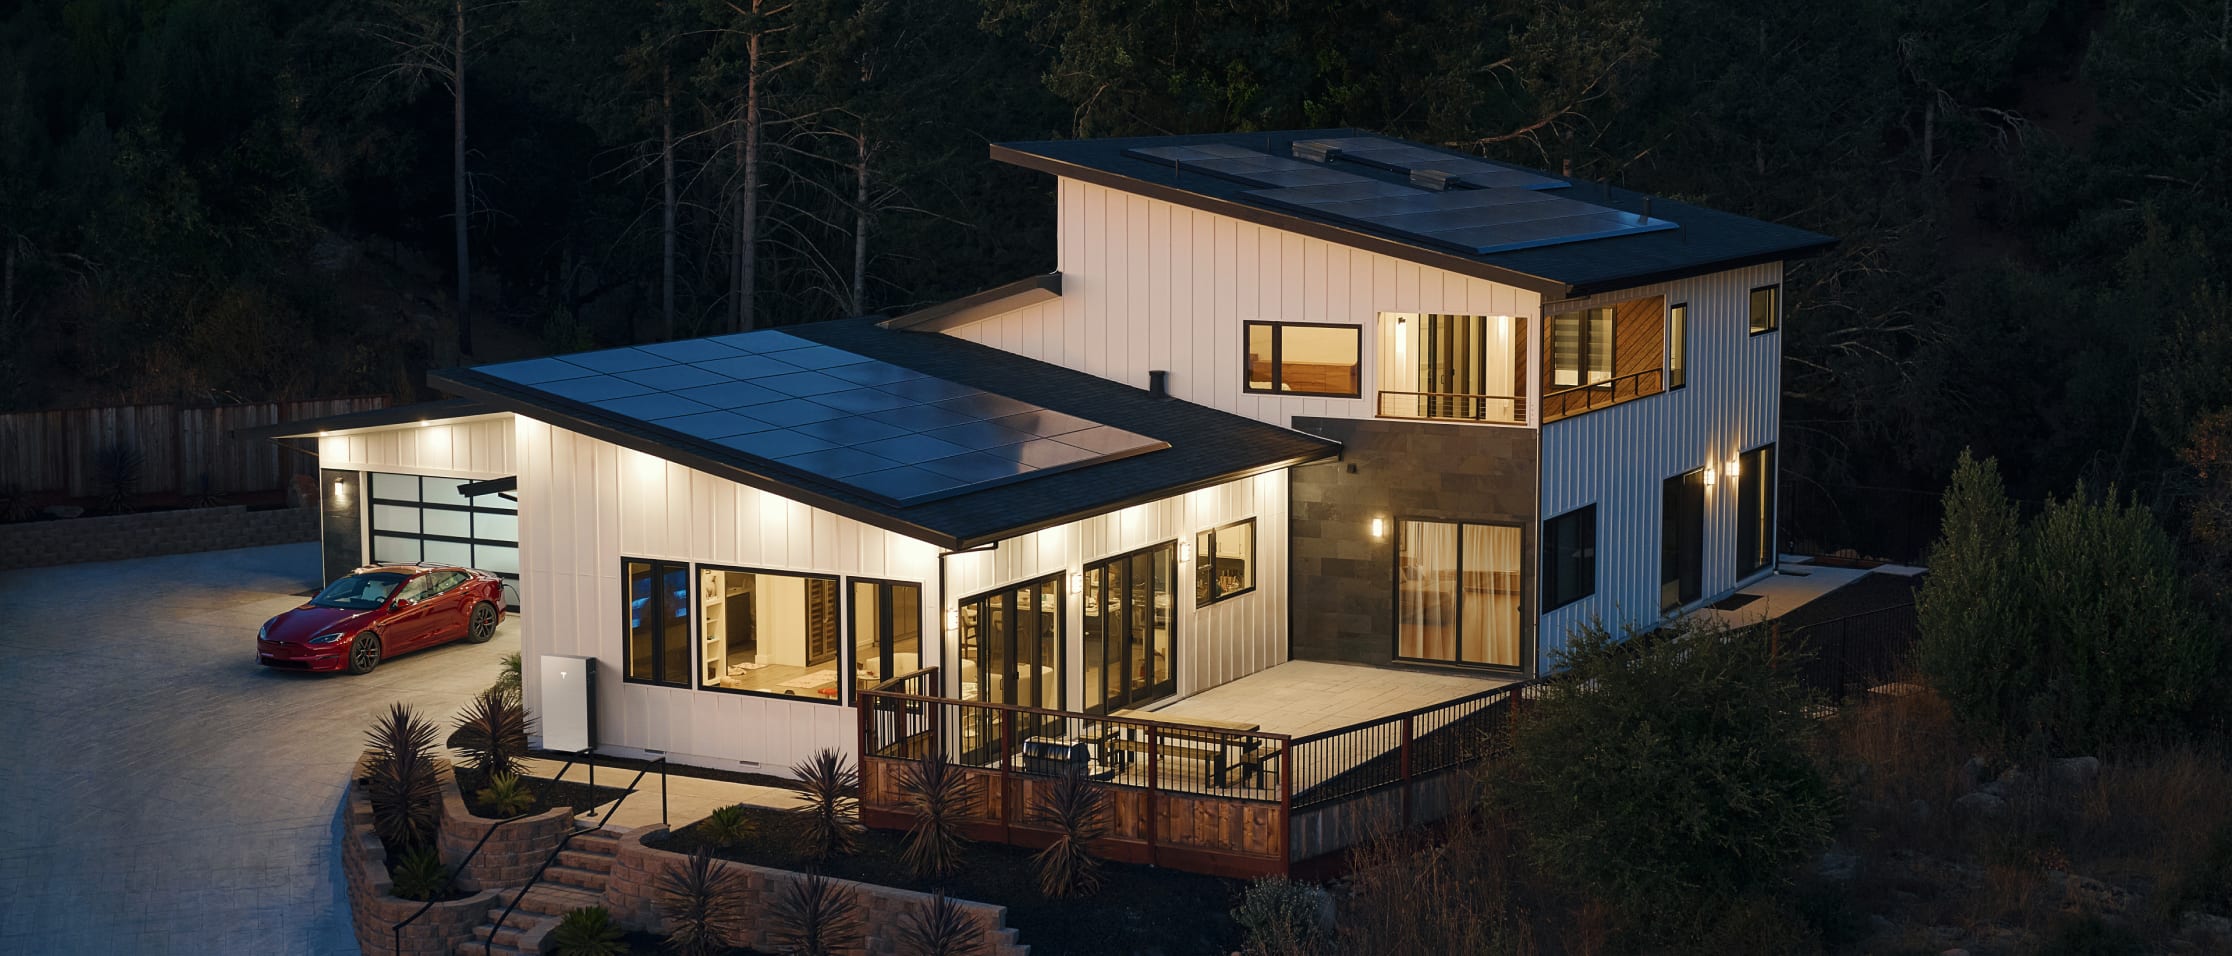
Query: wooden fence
{"points": [[185, 451]]}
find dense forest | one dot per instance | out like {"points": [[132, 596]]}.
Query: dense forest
{"points": [[214, 199]]}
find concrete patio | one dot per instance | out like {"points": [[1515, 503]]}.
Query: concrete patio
{"points": [[1304, 697]]}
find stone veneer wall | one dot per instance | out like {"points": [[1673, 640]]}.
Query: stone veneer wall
{"points": [[114, 537], [1344, 581], [629, 894], [511, 855], [373, 908]]}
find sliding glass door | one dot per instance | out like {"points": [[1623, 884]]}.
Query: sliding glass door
{"points": [[1011, 642], [1457, 593], [1681, 539], [1130, 634]]}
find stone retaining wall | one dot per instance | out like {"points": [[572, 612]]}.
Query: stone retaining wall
{"points": [[374, 909], [115, 537], [629, 894], [511, 855]]}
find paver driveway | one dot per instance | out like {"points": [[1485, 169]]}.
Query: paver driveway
{"points": [[160, 792]]}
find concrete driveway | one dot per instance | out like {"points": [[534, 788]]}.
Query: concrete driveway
{"points": [[159, 791]]}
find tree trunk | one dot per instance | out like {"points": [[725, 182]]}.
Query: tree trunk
{"points": [[666, 162], [860, 230], [1929, 132], [747, 200], [457, 187], [7, 284]]}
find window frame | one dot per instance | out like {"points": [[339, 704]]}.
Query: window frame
{"points": [[658, 598], [1526, 636], [1166, 691], [1278, 359], [1677, 346], [1767, 485], [1547, 572], [697, 634], [1210, 555], [1697, 546], [1611, 349], [847, 646], [1774, 316], [1060, 580]]}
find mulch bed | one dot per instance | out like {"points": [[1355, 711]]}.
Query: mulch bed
{"points": [[571, 792], [1138, 909], [640, 942]]}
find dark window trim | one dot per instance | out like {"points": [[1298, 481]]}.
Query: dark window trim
{"points": [[1061, 617], [1775, 323], [511, 578], [850, 625], [1526, 638], [1772, 491], [1681, 602], [1250, 521], [1278, 358], [1683, 341], [844, 653], [658, 598], [1612, 326], [1175, 576], [1542, 574]]}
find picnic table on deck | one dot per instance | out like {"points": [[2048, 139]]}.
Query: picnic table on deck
{"points": [[1215, 745]]}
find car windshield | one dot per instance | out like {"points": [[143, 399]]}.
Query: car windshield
{"points": [[359, 592]]}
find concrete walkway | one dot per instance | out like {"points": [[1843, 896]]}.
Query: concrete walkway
{"points": [[689, 799], [160, 792]]}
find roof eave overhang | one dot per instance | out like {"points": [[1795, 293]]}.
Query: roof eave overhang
{"points": [[1332, 450], [443, 411], [1617, 283], [977, 307]]}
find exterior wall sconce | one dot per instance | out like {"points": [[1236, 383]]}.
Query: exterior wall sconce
{"points": [[1402, 335], [1379, 528], [1735, 467], [1185, 550], [1077, 582], [953, 619], [340, 490], [1708, 476]]}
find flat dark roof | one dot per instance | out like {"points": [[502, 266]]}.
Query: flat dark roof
{"points": [[1705, 240], [1206, 446], [374, 418]]}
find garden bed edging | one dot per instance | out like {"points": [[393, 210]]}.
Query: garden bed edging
{"points": [[374, 909]]}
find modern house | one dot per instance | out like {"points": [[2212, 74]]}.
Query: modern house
{"points": [[1315, 395]]}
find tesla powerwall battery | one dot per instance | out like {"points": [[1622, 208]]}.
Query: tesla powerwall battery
{"points": [[569, 703]]}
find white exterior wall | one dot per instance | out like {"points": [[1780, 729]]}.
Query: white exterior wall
{"points": [[1148, 284], [1616, 458], [475, 448]]}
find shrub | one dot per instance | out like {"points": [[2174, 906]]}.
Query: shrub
{"points": [[506, 795], [728, 826], [1408, 894], [940, 795], [119, 467], [420, 875], [1279, 917], [703, 904], [588, 931], [814, 916], [492, 734], [401, 780], [832, 795], [1075, 807], [940, 927], [507, 683], [2070, 634], [1667, 777]]}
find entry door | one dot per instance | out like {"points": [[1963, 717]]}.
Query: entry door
{"points": [[1011, 642], [1681, 539], [1453, 361], [1131, 642]]}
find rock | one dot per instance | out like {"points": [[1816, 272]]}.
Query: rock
{"points": [[2082, 894], [2205, 924], [1920, 809], [1993, 787], [1981, 804], [1976, 771], [2013, 779], [1838, 866], [2074, 771]]}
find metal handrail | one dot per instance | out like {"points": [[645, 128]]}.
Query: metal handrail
{"points": [[1609, 387], [1518, 414], [456, 871], [488, 946]]}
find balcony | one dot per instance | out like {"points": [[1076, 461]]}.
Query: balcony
{"points": [[1568, 402], [1453, 368]]}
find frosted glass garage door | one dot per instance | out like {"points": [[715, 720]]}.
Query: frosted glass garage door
{"points": [[422, 518]]}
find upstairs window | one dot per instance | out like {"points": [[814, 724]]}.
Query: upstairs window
{"points": [[1568, 558], [1293, 358], [1581, 347], [1766, 309], [1677, 346]]}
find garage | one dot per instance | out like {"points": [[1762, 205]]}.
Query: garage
{"points": [[434, 519]]}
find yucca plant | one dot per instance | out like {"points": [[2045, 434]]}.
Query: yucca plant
{"points": [[832, 797], [492, 734], [507, 795], [940, 927], [813, 916], [728, 826], [1076, 809], [401, 779], [421, 875], [940, 795], [703, 903], [507, 678], [588, 931]]}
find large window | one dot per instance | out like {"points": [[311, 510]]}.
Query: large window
{"points": [[1298, 359], [887, 630], [1011, 642], [1581, 347], [658, 617], [1755, 510], [1224, 562], [1130, 640], [770, 632], [1457, 593], [1568, 557], [1681, 539], [1677, 346], [1766, 309]]}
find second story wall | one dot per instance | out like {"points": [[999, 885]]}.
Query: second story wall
{"points": [[1148, 284]]}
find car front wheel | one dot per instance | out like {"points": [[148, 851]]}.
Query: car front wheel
{"points": [[364, 653], [482, 625]]}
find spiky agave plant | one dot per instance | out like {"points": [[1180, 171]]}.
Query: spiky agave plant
{"points": [[728, 826], [940, 927], [703, 903], [506, 794], [588, 931], [421, 875], [940, 795], [492, 733], [402, 780], [832, 795], [815, 916], [1075, 807]]}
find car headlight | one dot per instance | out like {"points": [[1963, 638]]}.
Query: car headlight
{"points": [[333, 638], [264, 633]]}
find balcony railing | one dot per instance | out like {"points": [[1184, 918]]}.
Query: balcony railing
{"points": [[1454, 407], [1566, 402]]}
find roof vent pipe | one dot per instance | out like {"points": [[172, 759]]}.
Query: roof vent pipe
{"points": [[1158, 383], [1646, 209]]}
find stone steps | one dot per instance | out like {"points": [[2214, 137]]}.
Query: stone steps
{"points": [[575, 880]]}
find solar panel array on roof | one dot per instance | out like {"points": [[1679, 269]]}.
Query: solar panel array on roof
{"points": [[1247, 167], [1411, 160], [1473, 221], [830, 414]]}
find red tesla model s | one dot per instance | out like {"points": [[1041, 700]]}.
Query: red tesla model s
{"points": [[380, 611]]}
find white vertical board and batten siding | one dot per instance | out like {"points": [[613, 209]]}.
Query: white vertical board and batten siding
{"points": [[1616, 458], [475, 448], [1148, 284]]}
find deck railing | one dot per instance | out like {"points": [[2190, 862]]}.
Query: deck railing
{"points": [[1454, 407], [1573, 400], [1850, 653], [1348, 762]]}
